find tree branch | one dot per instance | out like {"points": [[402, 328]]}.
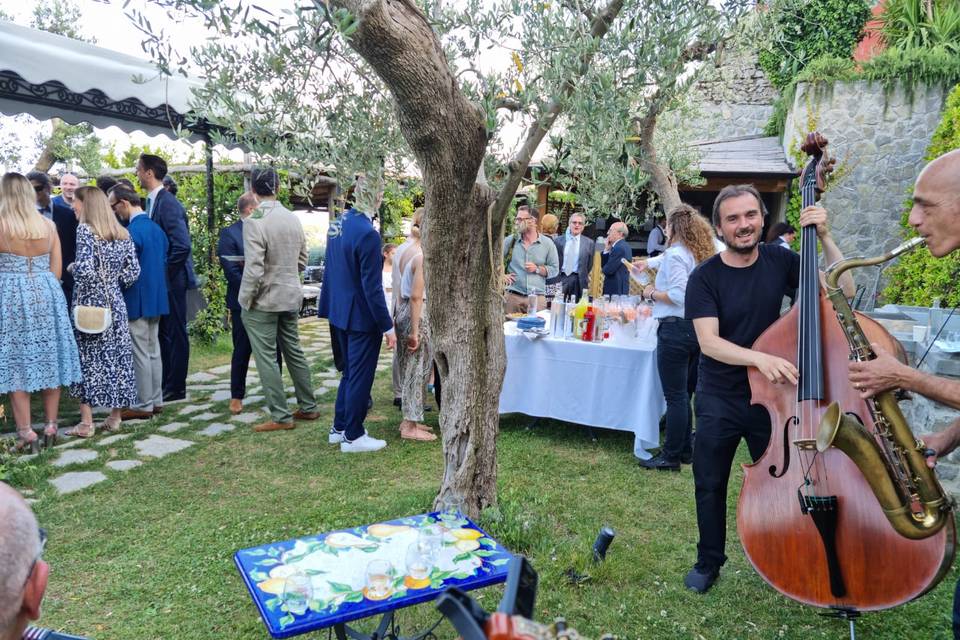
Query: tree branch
{"points": [[599, 26], [574, 5], [510, 104]]}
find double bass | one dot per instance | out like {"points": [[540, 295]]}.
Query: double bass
{"points": [[809, 520]]}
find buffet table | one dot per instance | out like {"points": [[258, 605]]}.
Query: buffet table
{"points": [[599, 385]]}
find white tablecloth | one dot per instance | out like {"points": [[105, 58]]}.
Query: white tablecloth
{"points": [[600, 385]]}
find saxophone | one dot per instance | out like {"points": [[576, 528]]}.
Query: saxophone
{"points": [[893, 463]]}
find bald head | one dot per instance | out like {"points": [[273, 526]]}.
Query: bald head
{"points": [[618, 231], [936, 204], [19, 547]]}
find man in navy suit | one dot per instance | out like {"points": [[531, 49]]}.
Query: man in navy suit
{"points": [[163, 208], [146, 301], [230, 253], [66, 223], [352, 300], [576, 252], [616, 279]]}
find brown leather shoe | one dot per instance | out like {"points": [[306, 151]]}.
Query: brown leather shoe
{"points": [[236, 406], [135, 414], [157, 411], [306, 415], [274, 426]]}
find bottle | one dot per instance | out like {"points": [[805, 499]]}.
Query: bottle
{"points": [[589, 320], [568, 318], [558, 314], [934, 320], [579, 311]]}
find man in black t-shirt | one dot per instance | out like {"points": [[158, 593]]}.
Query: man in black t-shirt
{"points": [[732, 298]]}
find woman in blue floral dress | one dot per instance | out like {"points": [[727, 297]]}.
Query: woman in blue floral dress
{"points": [[106, 261], [37, 350]]}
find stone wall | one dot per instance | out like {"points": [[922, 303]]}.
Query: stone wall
{"points": [[879, 143], [733, 99]]}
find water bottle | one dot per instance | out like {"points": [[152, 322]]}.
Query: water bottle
{"points": [[558, 312]]}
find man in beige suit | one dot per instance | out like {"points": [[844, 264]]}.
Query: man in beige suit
{"points": [[275, 253]]}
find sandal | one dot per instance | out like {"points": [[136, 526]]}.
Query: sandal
{"points": [[82, 430], [50, 434], [111, 427], [413, 433], [28, 438]]}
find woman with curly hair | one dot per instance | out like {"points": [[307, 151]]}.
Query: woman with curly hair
{"points": [[689, 242]]}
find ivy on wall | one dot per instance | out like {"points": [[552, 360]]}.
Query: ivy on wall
{"points": [[917, 278]]}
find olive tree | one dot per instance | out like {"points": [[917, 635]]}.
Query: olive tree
{"points": [[368, 86]]}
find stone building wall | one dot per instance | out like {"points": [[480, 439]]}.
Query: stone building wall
{"points": [[733, 99], [879, 143]]}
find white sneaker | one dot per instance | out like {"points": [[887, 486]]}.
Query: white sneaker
{"points": [[334, 436], [362, 444]]}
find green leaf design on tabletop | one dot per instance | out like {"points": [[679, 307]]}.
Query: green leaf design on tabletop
{"points": [[339, 587], [286, 620]]}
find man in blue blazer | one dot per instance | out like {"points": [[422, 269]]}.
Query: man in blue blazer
{"points": [[575, 251], [352, 300], [163, 208], [230, 253], [65, 220], [146, 300], [616, 279]]}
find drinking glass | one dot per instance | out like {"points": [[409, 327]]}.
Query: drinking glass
{"points": [[297, 593], [451, 510], [419, 562], [430, 542], [379, 579], [532, 303]]}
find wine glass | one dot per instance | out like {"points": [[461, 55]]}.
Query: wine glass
{"points": [[297, 593]]}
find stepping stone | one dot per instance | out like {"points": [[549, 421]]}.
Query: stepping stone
{"points": [[222, 385], [192, 409], [252, 399], [383, 367], [160, 446], [30, 501], [124, 465], [332, 384], [291, 401], [326, 374], [111, 439], [246, 418], [207, 417], [74, 457], [216, 429], [186, 399], [289, 389], [76, 480], [201, 376], [71, 442], [204, 387], [254, 390], [173, 426], [224, 368], [219, 396]]}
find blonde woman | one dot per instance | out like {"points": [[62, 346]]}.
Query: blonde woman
{"points": [[37, 350], [689, 242], [106, 261]]}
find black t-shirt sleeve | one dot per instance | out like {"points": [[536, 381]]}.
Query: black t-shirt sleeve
{"points": [[793, 268], [700, 301]]}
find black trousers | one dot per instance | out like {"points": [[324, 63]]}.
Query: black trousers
{"points": [[175, 344], [678, 353], [571, 285], [240, 360], [721, 422]]}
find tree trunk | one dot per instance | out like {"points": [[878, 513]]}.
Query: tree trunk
{"points": [[461, 243], [47, 157], [662, 180]]}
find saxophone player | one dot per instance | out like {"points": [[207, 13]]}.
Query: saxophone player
{"points": [[936, 217]]}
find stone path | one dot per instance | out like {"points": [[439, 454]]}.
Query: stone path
{"points": [[200, 417]]}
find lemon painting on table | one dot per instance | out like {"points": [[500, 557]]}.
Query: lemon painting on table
{"points": [[353, 573]]}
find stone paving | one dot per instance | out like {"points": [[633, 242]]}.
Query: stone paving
{"points": [[193, 420]]}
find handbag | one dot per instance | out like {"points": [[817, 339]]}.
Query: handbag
{"points": [[90, 319]]}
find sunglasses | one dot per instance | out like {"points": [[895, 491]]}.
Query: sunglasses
{"points": [[33, 565], [39, 187]]}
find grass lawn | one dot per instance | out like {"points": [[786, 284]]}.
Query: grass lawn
{"points": [[148, 553]]}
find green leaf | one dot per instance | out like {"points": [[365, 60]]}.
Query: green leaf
{"points": [[356, 596], [484, 553], [463, 556], [258, 576], [339, 587], [499, 562], [286, 620], [271, 604]]}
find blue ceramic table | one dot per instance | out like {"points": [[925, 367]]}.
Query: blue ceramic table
{"points": [[330, 571]]}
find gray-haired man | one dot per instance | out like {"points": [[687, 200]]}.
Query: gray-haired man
{"points": [[24, 576]]}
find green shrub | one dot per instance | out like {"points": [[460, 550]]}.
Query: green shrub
{"points": [[797, 32], [921, 24], [917, 278]]}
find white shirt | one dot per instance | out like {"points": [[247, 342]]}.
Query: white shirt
{"points": [[675, 266], [152, 196], [571, 254]]}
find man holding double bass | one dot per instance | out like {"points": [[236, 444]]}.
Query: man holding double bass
{"points": [[936, 218], [732, 298]]}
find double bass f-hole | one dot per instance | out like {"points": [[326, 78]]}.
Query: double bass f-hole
{"points": [[772, 470]]}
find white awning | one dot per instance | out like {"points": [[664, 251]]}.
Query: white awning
{"points": [[51, 76]]}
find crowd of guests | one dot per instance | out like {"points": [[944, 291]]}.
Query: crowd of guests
{"points": [[92, 252]]}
